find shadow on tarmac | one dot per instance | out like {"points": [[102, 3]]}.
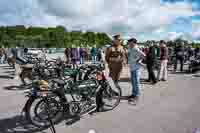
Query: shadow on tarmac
{"points": [[7, 68], [142, 81], [17, 124], [5, 77], [14, 87], [179, 72], [9, 72], [19, 87], [196, 75]]}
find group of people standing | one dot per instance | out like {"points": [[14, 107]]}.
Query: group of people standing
{"points": [[153, 56], [75, 55], [117, 56]]}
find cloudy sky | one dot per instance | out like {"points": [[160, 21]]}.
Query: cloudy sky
{"points": [[143, 19]]}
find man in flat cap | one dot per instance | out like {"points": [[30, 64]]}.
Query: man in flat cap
{"points": [[116, 57], [135, 57]]}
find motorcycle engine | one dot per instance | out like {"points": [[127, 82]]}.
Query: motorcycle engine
{"points": [[85, 88], [74, 108]]}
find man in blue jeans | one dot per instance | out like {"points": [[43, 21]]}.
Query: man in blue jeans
{"points": [[135, 56], [2, 56]]}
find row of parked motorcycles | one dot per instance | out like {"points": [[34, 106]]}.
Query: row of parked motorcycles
{"points": [[194, 64], [58, 91]]}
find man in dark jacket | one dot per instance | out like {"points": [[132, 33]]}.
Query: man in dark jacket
{"points": [[196, 52], [179, 53], [150, 60], [190, 52], [68, 55]]}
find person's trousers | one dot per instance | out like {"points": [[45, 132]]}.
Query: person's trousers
{"points": [[162, 74], [94, 59], [151, 73], [81, 60], [181, 60], [17, 70], [2, 59], [74, 63], [115, 70], [135, 81]]}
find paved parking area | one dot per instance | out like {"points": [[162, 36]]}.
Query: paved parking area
{"points": [[167, 107]]}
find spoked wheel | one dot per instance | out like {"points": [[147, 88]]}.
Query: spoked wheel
{"points": [[111, 96], [37, 112]]}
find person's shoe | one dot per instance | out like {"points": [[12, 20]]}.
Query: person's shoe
{"points": [[136, 98], [155, 82], [133, 101], [147, 80], [164, 80], [131, 97]]}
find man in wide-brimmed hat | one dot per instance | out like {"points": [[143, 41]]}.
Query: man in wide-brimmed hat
{"points": [[115, 57]]}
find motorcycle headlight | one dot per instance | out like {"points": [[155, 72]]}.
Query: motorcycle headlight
{"points": [[99, 76], [46, 72]]}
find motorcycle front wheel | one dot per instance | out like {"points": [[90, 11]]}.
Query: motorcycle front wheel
{"points": [[111, 96], [36, 112]]}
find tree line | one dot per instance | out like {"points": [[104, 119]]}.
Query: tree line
{"points": [[58, 37]]}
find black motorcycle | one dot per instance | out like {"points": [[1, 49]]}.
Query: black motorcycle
{"points": [[86, 96], [194, 65]]}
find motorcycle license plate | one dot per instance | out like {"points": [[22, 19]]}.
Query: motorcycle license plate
{"points": [[40, 93]]}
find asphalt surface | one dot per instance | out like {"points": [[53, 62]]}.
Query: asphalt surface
{"points": [[167, 107]]}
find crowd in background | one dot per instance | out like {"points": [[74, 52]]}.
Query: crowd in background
{"points": [[80, 55]]}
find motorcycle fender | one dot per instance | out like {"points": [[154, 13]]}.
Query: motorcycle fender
{"points": [[28, 102]]}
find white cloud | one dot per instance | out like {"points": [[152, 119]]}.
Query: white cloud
{"points": [[160, 30], [129, 17], [196, 30], [174, 35]]}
